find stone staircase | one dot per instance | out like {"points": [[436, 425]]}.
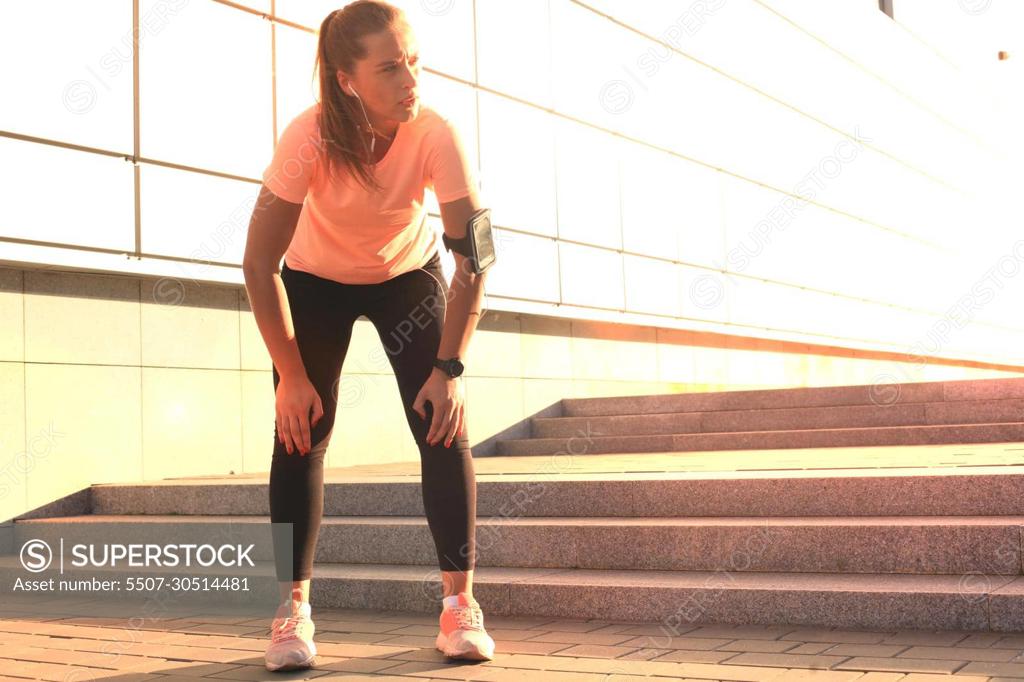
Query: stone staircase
{"points": [[986, 411], [905, 536]]}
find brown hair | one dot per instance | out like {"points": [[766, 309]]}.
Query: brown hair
{"points": [[340, 47]]}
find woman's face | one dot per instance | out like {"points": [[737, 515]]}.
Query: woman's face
{"points": [[386, 76]]}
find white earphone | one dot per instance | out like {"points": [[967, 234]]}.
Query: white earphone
{"points": [[373, 133]]}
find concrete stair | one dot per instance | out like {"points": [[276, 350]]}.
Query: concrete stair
{"points": [[850, 548], [932, 541], [926, 545], [986, 411]]}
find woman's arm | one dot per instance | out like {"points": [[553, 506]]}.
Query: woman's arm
{"points": [[297, 404], [462, 312], [466, 290], [270, 232]]}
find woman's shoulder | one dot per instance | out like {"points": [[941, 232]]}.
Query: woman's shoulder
{"points": [[427, 114], [304, 124], [310, 116], [433, 123]]}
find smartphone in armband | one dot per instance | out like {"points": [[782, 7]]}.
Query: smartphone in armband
{"points": [[478, 244]]}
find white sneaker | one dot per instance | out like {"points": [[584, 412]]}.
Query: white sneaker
{"points": [[291, 645], [462, 633]]}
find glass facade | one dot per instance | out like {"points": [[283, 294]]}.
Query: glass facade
{"points": [[756, 164]]}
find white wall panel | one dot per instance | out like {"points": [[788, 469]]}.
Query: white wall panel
{"points": [[67, 71]]}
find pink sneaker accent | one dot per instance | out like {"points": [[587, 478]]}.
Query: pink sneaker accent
{"points": [[291, 646], [462, 632]]}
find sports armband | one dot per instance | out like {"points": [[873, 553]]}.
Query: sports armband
{"points": [[478, 244]]}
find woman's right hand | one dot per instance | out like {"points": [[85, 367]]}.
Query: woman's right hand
{"points": [[295, 398]]}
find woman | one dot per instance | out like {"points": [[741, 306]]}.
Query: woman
{"points": [[342, 201]]}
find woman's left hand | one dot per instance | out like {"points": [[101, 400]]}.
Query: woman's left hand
{"points": [[447, 398]]}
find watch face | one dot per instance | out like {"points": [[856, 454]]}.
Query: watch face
{"points": [[456, 367]]}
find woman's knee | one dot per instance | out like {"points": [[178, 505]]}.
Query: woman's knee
{"points": [[319, 439]]}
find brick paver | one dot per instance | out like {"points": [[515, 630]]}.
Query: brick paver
{"points": [[358, 644]]}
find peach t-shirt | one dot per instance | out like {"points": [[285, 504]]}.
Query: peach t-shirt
{"points": [[344, 232]]}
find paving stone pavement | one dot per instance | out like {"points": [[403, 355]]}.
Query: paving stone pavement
{"points": [[366, 645]]}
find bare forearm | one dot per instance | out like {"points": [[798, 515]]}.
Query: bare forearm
{"points": [[269, 301], [465, 300]]}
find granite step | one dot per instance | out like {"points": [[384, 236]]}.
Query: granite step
{"points": [[883, 393], [935, 491], [1010, 410], [673, 600], [590, 440], [926, 545]]}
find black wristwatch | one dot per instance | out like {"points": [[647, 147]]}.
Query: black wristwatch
{"points": [[452, 366]]}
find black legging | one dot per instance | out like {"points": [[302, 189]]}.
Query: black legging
{"points": [[408, 313]]}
